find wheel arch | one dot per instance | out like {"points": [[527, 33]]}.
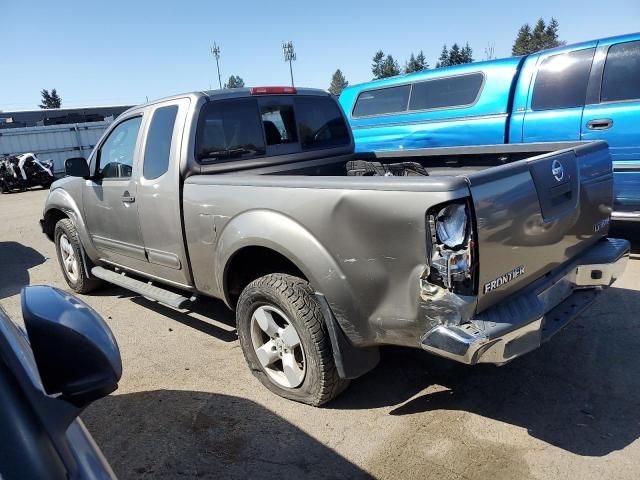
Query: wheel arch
{"points": [[61, 204], [51, 218], [252, 262], [286, 243]]}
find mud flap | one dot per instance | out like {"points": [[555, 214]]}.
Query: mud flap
{"points": [[351, 361]]}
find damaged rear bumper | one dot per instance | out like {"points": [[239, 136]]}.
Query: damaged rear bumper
{"points": [[523, 322], [625, 216]]}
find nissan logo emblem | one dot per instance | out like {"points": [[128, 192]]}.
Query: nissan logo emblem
{"points": [[557, 170]]}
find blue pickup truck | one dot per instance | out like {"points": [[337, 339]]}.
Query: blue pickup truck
{"points": [[586, 91]]}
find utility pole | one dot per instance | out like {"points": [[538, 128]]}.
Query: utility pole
{"points": [[215, 51], [488, 51], [289, 56]]}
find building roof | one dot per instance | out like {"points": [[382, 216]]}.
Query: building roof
{"points": [[31, 118]]}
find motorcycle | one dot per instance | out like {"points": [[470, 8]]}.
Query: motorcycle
{"points": [[20, 172]]}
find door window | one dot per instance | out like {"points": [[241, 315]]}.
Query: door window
{"points": [[621, 77], [562, 81], [158, 148], [115, 157], [229, 130]]}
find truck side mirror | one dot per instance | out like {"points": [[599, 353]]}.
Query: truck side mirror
{"points": [[77, 167], [75, 352]]}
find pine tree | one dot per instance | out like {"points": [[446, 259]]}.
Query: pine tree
{"points": [[50, 100], [551, 32], [421, 62], [376, 66], [338, 83], [466, 54], [390, 67], [46, 99], [55, 99], [455, 57], [410, 65], [443, 60], [416, 63], [542, 36], [235, 81], [522, 45], [538, 36]]}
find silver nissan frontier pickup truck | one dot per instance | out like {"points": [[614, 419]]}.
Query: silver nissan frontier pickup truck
{"points": [[255, 196]]}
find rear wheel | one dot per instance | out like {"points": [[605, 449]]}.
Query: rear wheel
{"points": [[71, 258], [284, 339]]}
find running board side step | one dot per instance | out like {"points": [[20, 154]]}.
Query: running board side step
{"points": [[145, 289]]}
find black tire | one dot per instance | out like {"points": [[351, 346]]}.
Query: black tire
{"points": [[82, 284], [294, 297]]}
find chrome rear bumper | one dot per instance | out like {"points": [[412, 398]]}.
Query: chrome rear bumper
{"points": [[526, 320], [625, 216]]}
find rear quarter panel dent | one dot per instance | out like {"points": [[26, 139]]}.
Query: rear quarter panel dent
{"points": [[276, 231]]}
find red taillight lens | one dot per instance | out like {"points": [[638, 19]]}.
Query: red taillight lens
{"points": [[273, 90]]}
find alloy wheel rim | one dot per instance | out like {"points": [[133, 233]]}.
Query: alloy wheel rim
{"points": [[69, 260], [278, 347]]}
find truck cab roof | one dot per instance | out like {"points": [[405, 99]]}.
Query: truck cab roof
{"points": [[247, 92], [223, 94]]}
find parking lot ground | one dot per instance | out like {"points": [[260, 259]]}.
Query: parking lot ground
{"points": [[188, 406]]}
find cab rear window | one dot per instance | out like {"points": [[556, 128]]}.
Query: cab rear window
{"points": [[229, 130], [320, 123], [245, 128]]}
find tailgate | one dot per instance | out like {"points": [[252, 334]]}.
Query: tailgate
{"points": [[533, 215]]}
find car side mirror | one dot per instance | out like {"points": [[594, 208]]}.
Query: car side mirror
{"points": [[77, 167], [76, 354]]}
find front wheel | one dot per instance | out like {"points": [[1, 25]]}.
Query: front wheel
{"points": [[285, 341], [71, 258]]}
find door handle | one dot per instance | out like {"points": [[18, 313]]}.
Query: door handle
{"points": [[600, 124], [128, 198]]}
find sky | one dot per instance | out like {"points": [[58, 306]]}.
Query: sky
{"points": [[125, 52]]}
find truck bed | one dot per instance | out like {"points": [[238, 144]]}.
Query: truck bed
{"points": [[376, 231], [443, 161]]}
